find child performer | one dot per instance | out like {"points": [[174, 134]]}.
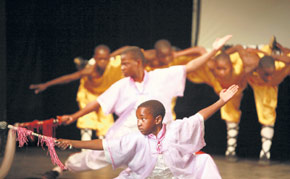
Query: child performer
{"points": [[269, 71], [97, 76], [221, 72], [159, 149], [124, 96], [265, 80], [164, 55]]}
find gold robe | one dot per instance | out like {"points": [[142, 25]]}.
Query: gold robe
{"points": [[266, 93], [90, 88], [231, 111]]}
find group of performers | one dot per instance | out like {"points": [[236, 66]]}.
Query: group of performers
{"points": [[118, 82]]}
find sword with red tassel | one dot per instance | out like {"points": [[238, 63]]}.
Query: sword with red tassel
{"points": [[22, 134]]}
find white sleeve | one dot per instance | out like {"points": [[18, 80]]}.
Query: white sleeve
{"points": [[108, 99], [190, 131], [120, 152], [107, 153], [172, 78]]}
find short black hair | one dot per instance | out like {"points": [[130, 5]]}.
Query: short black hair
{"points": [[267, 62], [102, 47], [162, 43], [136, 53], [155, 107], [223, 57]]}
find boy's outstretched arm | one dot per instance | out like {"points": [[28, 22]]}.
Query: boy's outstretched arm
{"points": [[119, 51], [68, 119], [283, 49], [199, 61], [61, 80], [96, 144], [225, 96], [190, 51], [283, 58]]}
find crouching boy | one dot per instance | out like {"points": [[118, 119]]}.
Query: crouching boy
{"points": [[159, 150]]}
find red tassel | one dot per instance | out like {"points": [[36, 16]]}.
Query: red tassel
{"points": [[33, 125], [22, 134], [47, 127], [49, 141]]}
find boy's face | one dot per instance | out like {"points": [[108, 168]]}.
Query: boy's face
{"points": [[129, 66], [145, 121], [102, 58], [153, 63], [164, 55], [223, 69], [266, 73]]}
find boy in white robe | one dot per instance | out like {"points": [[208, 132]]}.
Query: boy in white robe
{"points": [[159, 150]]}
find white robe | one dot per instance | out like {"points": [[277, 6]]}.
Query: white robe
{"points": [[176, 142]]}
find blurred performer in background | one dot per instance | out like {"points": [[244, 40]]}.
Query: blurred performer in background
{"points": [[222, 71], [165, 55], [95, 76], [271, 70]]}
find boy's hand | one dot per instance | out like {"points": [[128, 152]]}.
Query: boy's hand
{"points": [[219, 42], [66, 119], [63, 143], [227, 94], [38, 87], [282, 58]]}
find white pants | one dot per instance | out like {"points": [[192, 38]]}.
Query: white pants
{"points": [[86, 160]]}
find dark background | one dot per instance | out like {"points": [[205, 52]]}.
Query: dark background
{"points": [[43, 37]]}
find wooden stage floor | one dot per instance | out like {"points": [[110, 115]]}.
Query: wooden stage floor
{"points": [[31, 162]]}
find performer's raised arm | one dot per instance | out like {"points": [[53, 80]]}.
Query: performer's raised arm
{"points": [[225, 96], [190, 51], [38, 88], [283, 58], [199, 61], [101, 57], [68, 119]]}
